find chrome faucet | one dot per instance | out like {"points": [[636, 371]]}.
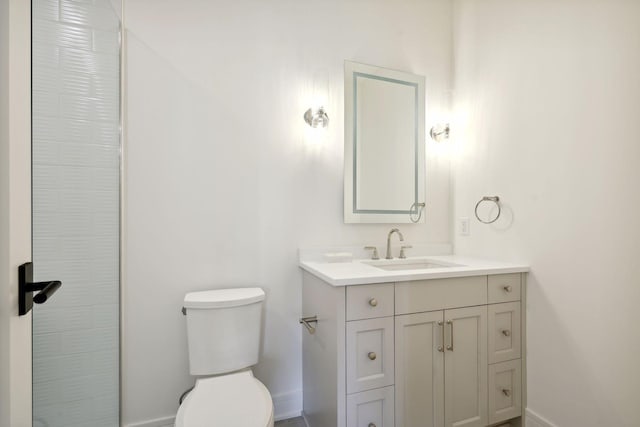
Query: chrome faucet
{"points": [[393, 230]]}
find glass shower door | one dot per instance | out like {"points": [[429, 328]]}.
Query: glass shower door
{"points": [[76, 211]]}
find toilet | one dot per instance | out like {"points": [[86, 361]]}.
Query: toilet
{"points": [[223, 332]]}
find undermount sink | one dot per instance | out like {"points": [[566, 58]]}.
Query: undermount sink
{"points": [[410, 264]]}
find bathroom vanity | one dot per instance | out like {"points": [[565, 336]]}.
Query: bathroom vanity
{"points": [[417, 342]]}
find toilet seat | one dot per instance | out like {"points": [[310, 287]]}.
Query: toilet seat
{"points": [[233, 400]]}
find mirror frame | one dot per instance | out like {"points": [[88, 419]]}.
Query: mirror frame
{"points": [[353, 71]]}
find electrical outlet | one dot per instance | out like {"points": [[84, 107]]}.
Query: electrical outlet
{"points": [[464, 227]]}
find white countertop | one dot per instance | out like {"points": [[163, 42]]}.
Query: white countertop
{"points": [[358, 272]]}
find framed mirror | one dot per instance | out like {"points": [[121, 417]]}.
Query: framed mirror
{"points": [[384, 158]]}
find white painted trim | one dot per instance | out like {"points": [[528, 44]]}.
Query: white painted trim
{"points": [[15, 179], [285, 405], [532, 419], [304, 417], [5, 225]]}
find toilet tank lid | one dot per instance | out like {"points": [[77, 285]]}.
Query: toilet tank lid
{"points": [[218, 298]]}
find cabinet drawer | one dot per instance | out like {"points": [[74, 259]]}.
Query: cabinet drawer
{"points": [[505, 391], [438, 294], [504, 332], [370, 358], [368, 301], [504, 288], [372, 408]]}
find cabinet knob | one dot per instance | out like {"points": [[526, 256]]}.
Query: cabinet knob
{"points": [[506, 332], [373, 302], [507, 288], [371, 355], [506, 392], [371, 425]]}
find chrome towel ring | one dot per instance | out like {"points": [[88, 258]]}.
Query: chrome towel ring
{"points": [[494, 199], [416, 209]]}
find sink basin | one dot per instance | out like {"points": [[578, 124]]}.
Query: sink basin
{"points": [[410, 264]]}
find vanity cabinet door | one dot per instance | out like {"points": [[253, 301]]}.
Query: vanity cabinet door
{"points": [[465, 367], [420, 370], [369, 354]]}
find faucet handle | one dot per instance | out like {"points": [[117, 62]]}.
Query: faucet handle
{"points": [[402, 248], [375, 255]]}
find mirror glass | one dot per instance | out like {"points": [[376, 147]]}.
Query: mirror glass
{"points": [[384, 145]]}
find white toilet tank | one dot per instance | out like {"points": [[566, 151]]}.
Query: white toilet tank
{"points": [[223, 329]]}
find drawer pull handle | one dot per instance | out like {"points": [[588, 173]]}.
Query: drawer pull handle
{"points": [[506, 332], [450, 345], [506, 392], [373, 302], [371, 425], [441, 346], [507, 288], [371, 355]]}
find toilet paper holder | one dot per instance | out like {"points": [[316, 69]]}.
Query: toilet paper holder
{"points": [[306, 321]]}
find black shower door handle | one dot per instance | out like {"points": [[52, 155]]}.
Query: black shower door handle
{"points": [[27, 287]]}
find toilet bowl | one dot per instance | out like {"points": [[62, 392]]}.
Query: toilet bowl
{"points": [[232, 400]]}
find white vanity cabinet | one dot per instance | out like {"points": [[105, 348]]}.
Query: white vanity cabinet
{"points": [[440, 352]]}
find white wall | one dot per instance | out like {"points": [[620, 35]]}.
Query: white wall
{"points": [[547, 100], [224, 179]]}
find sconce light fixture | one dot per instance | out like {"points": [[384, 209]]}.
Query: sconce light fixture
{"points": [[316, 117], [440, 132]]}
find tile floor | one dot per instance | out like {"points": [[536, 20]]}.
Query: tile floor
{"points": [[291, 422]]}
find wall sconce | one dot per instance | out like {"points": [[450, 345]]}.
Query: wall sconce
{"points": [[440, 132], [316, 117]]}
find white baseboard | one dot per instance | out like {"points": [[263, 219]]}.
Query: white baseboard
{"points": [[285, 405], [304, 417], [534, 420]]}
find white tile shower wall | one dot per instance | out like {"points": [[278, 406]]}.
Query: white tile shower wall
{"points": [[225, 180], [76, 163], [547, 104]]}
